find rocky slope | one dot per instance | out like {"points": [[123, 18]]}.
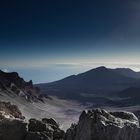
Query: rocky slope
{"points": [[101, 125], [14, 84], [13, 126], [34, 104], [93, 125]]}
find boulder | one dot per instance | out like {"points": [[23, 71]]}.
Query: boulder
{"points": [[99, 124], [10, 109], [36, 126], [11, 128], [14, 127], [47, 128], [94, 124], [51, 122]]}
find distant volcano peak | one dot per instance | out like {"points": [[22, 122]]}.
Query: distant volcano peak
{"points": [[101, 68]]}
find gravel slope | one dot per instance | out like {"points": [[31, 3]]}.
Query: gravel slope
{"points": [[65, 112]]}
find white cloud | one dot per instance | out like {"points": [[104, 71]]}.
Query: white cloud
{"points": [[5, 70]]}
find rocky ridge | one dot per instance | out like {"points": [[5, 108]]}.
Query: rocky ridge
{"points": [[13, 126], [94, 124], [101, 125], [13, 84]]}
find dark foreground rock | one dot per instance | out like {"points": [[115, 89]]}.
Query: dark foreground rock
{"points": [[14, 127], [10, 109], [44, 131], [12, 124], [102, 125], [93, 125], [37, 136]]}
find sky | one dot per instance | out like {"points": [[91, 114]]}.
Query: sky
{"points": [[46, 40]]}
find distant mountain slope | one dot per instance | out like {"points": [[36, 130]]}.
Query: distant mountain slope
{"points": [[127, 72], [130, 92], [98, 77], [127, 97], [97, 81], [130, 96]]}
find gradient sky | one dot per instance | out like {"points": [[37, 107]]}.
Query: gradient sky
{"points": [[46, 40]]}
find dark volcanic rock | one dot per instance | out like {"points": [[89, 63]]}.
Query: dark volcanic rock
{"points": [[12, 83], [8, 108], [13, 77], [102, 125], [36, 126], [47, 129], [51, 122], [11, 129], [12, 125], [93, 125]]}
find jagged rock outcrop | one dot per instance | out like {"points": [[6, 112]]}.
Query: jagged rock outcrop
{"points": [[13, 110], [47, 129], [101, 125], [14, 84], [13, 126], [93, 125]]}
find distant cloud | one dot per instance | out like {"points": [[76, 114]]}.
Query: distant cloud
{"points": [[5, 70]]}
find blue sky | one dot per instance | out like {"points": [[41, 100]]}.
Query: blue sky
{"points": [[48, 40]]}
